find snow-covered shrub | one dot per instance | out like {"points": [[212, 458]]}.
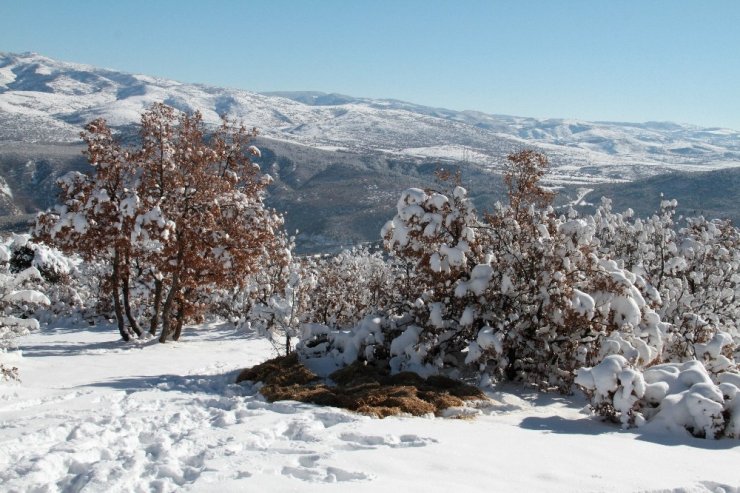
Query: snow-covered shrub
{"points": [[553, 303], [691, 401], [522, 293], [383, 340], [53, 266], [277, 308], [334, 291], [69, 286], [19, 301], [339, 347], [670, 396], [702, 289], [693, 275], [549, 297], [69, 291], [615, 389], [348, 286], [433, 238], [729, 384]]}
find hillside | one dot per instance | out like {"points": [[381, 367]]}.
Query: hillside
{"points": [[337, 156], [711, 194], [47, 100]]}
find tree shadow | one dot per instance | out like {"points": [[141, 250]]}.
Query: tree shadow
{"points": [[560, 425], [80, 348], [62, 326], [222, 385], [222, 331], [673, 439], [219, 331], [596, 426]]}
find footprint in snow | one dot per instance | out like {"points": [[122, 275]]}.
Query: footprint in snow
{"points": [[328, 475], [356, 441], [304, 431], [309, 460], [332, 418]]}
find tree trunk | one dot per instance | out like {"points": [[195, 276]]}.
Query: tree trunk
{"points": [[174, 290], [157, 306], [167, 308], [510, 370], [115, 279], [179, 319], [127, 306]]}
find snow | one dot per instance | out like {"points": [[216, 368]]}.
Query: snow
{"points": [[405, 341], [487, 339], [5, 188], [96, 414], [346, 345], [455, 256], [583, 304], [27, 296], [435, 315], [6, 75], [480, 277], [449, 152]]}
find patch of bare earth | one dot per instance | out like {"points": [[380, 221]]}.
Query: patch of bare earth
{"points": [[361, 388]]}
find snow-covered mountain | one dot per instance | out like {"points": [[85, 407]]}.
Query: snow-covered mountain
{"points": [[45, 100], [341, 162]]}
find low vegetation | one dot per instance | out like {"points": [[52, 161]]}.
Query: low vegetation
{"points": [[360, 387]]}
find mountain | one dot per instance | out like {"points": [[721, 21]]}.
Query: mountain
{"points": [[312, 139], [47, 100]]}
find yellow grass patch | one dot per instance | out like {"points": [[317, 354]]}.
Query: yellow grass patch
{"points": [[361, 388]]}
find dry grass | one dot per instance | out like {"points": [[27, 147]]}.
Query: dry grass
{"points": [[361, 388]]}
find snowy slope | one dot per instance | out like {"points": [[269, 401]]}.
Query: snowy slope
{"points": [[96, 414], [42, 99]]}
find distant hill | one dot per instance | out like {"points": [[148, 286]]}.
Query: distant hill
{"points": [[711, 194]]}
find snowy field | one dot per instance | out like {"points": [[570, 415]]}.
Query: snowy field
{"points": [[96, 414]]}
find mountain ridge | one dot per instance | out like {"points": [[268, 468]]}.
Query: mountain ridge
{"points": [[37, 92]]}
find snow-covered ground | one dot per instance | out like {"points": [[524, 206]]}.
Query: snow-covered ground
{"points": [[96, 414]]}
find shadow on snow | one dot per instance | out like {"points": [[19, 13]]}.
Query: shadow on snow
{"points": [[210, 332], [219, 384], [597, 426]]}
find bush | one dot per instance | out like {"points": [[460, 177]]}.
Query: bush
{"points": [[670, 396], [525, 294]]}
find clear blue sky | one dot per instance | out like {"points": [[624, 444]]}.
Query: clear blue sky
{"points": [[599, 60]]}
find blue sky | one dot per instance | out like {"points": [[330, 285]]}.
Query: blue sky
{"points": [[666, 60]]}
